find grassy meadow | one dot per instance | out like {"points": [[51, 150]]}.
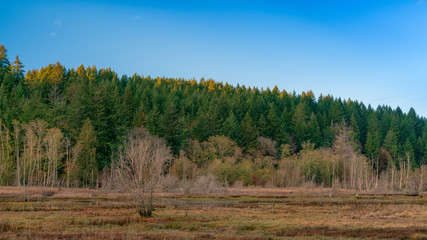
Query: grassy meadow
{"points": [[247, 213]]}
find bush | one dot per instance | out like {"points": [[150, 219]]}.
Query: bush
{"points": [[48, 193], [230, 172], [169, 183], [207, 184]]}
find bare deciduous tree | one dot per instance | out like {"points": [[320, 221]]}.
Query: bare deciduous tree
{"points": [[140, 167], [16, 127], [54, 153], [40, 127], [72, 167], [5, 149]]}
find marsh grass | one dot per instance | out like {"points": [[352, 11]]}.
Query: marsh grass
{"points": [[257, 216]]}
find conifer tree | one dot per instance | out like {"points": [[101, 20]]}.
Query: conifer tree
{"points": [[230, 127], [356, 129], [18, 70], [391, 144], [86, 162], [314, 134], [299, 124], [248, 133], [263, 126], [4, 62], [273, 124], [172, 128], [153, 121]]}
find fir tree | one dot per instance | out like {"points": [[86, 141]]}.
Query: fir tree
{"points": [[248, 133], [230, 127], [86, 161]]}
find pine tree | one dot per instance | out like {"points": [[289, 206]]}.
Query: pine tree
{"points": [[230, 127], [420, 151], [126, 108], [299, 124], [263, 128], [356, 130], [373, 143], [86, 162], [4, 61], [314, 134], [273, 124], [172, 128], [372, 146], [18, 70], [153, 121], [336, 112], [391, 144], [248, 133]]}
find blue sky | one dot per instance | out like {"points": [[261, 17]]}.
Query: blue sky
{"points": [[372, 51]]}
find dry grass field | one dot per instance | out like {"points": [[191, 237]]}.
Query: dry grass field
{"points": [[248, 213]]}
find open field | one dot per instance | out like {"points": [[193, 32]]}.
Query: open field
{"points": [[249, 213]]}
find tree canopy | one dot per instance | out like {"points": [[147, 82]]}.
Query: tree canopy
{"points": [[96, 108]]}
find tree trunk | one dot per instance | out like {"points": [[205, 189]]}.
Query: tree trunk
{"points": [[18, 166]]}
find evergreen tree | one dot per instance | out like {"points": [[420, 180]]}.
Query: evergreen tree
{"points": [[125, 113], [263, 128], [153, 121], [4, 60], [373, 143], [248, 133], [391, 144], [86, 161], [172, 128], [299, 124], [273, 124], [356, 136], [4, 63], [314, 131], [176, 109], [230, 127], [18, 70], [408, 150], [336, 112]]}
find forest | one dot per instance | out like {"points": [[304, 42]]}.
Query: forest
{"points": [[65, 127]]}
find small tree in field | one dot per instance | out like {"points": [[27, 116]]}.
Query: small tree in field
{"points": [[140, 166]]}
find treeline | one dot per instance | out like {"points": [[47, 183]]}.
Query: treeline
{"points": [[64, 126]]}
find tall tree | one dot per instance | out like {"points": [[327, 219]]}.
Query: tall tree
{"points": [[172, 128], [230, 127], [18, 70], [248, 133], [86, 162]]}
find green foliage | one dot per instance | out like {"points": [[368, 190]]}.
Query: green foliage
{"points": [[248, 133], [230, 127], [230, 172], [86, 161], [187, 114]]}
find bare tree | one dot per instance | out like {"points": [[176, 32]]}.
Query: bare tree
{"points": [[28, 154], [267, 147], [72, 166], [17, 129], [67, 144], [40, 130], [54, 153], [141, 165], [421, 185], [5, 161]]}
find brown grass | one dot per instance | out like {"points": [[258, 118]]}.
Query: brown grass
{"points": [[255, 213]]}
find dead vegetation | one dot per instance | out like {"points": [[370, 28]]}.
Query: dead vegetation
{"points": [[245, 213]]}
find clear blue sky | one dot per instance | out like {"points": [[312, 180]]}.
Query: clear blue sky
{"points": [[372, 51]]}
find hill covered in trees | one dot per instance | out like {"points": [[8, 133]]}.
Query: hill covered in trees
{"points": [[53, 120]]}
